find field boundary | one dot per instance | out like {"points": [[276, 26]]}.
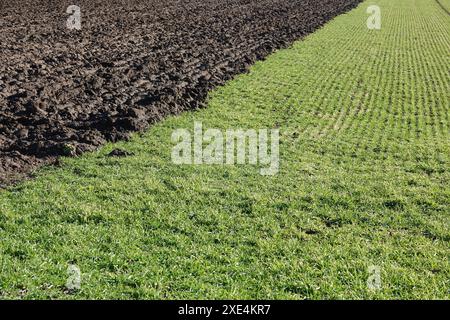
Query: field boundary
{"points": [[124, 82], [443, 8]]}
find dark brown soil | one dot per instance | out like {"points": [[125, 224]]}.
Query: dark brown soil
{"points": [[66, 92]]}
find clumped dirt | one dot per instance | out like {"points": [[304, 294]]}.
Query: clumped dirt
{"points": [[65, 92]]}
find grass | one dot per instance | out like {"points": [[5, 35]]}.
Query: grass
{"points": [[364, 180]]}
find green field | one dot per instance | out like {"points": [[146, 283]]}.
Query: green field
{"points": [[364, 181]]}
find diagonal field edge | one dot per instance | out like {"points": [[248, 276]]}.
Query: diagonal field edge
{"points": [[71, 99], [369, 188], [443, 8]]}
